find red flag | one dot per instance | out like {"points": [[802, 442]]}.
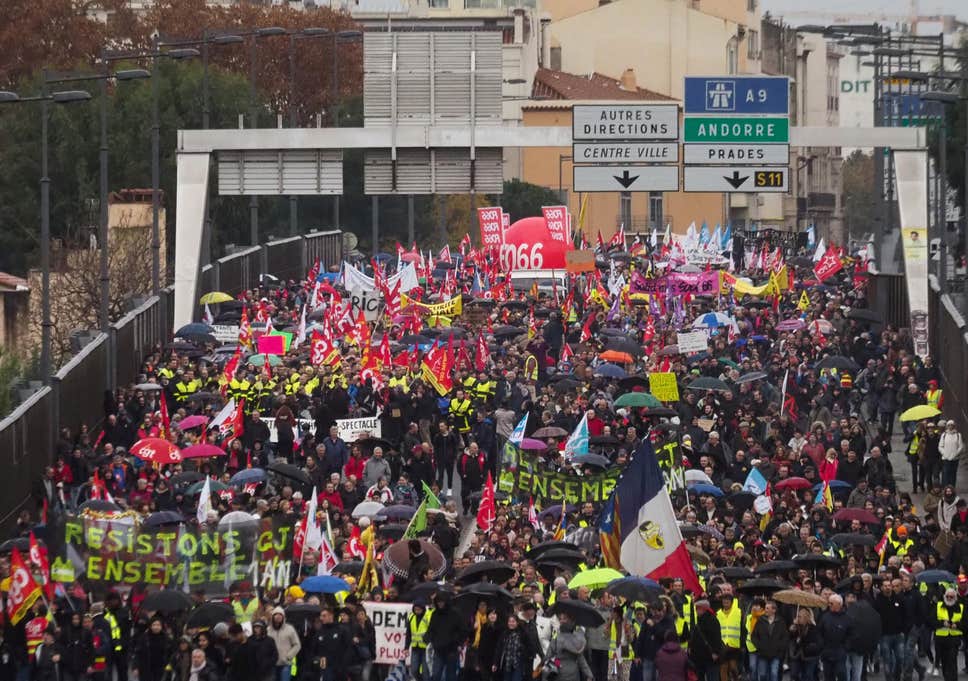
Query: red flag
{"points": [[23, 590], [245, 330], [436, 367], [586, 329], [38, 556], [483, 358], [371, 371], [386, 357], [165, 419], [566, 353], [444, 255], [230, 368], [354, 545], [828, 265], [487, 512], [463, 356]]}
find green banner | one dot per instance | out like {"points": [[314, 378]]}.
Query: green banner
{"points": [[524, 476], [121, 551]]}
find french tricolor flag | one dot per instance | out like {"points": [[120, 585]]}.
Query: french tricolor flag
{"points": [[638, 529]]}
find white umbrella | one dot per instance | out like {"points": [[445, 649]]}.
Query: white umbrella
{"points": [[696, 476], [367, 509]]}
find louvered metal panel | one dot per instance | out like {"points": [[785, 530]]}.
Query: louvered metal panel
{"points": [[275, 173], [450, 172], [433, 78]]}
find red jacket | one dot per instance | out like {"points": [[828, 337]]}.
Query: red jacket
{"points": [[334, 499], [354, 467]]}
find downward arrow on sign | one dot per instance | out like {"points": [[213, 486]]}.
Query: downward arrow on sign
{"points": [[736, 181], [625, 179]]}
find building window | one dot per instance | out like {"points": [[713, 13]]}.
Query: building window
{"points": [[555, 57], [732, 57], [438, 4], [753, 45], [625, 209], [655, 210], [750, 5]]}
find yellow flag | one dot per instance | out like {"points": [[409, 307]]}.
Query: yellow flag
{"points": [[804, 303]]}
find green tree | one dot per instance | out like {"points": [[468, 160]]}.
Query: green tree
{"points": [[523, 199]]}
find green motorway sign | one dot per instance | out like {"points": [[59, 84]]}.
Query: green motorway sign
{"points": [[767, 129]]}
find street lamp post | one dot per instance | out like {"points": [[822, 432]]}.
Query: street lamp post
{"points": [[64, 97]]}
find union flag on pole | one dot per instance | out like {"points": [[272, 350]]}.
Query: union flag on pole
{"points": [[828, 265], [487, 512], [23, 590], [38, 556]]}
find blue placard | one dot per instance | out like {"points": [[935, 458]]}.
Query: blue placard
{"points": [[737, 95]]}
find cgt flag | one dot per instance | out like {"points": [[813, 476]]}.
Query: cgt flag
{"points": [[23, 590], [638, 528]]}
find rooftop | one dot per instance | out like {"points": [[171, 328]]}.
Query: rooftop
{"points": [[549, 84]]}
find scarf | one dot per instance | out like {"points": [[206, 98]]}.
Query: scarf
{"points": [[194, 672]]}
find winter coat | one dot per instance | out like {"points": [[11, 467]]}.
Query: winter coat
{"points": [[805, 643], [835, 630], [151, 655], [374, 469], [771, 638], [78, 645], [568, 650], [447, 631], [671, 662], [706, 640], [285, 637]]}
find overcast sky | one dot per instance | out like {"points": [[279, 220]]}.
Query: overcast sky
{"points": [[957, 7]]}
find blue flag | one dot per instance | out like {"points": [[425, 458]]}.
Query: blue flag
{"points": [[755, 482], [517, 435], [577, 444]]}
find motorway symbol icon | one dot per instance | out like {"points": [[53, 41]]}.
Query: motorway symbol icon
{"points": [[720, 95]]}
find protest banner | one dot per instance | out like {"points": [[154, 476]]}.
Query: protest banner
{"points": [[448, 308], [370, 302], [355, 280], [113, 550], [702, 283], [663, 385], [556, 218], [490, 219], [669, 455], [692, 341], [577, 262], [351, 430], [523, 475], [390, 624], [226, 333]]}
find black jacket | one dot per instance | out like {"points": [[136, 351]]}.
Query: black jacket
{"points": [[447, 631], [78, 646], [771, 639], [150, 656], [891, 611], [835, 630], [706, 640], [255, 660], [43, 667], [331, 642]]}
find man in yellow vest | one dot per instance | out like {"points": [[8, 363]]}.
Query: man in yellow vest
{"points": [[418, 622], [244, 604], [460, 413], [119, 619], [933, 395], [949, 632], [730, 625]]}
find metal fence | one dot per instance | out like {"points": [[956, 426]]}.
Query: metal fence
{"points": [[949, 345], [78, 392]]}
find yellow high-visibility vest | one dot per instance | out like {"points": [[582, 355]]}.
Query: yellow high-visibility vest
{"points": [[730, 624], [953, 615], [115, 629], [418, 628]]}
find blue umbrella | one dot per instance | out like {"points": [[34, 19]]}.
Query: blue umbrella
{"points": [[936, 577], [324, 584], [196, 329], [706, 489], [611, 371], [834, 485], [248, 475]]}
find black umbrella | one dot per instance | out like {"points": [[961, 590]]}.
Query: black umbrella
{"points": [[708, 383], [758, 587], [751, 376], [562, 555], [853, 539], [742, 501], [186, 479], [488, 589], [163, 518], [349, 567], [838, 362], [660, 412], [426, 590], [816, 561], [466, 602], [99, 505], [734, 572], [415, 339], [582, 613], [19, 543], [625, 346], [509, 331], [287, 470], [303, 610], [775, 566], [536, 551], [166, 600], [494, 570], [602, 440], [630, 382], [845, 584], [209, 614], [392, 531], [865, 315], [595, 460], [635, 589], [547, 568], [565, 385]]}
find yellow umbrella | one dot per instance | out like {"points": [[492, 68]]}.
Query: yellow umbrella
{"points": [[920, 412], [214, 297], [594, 578]]}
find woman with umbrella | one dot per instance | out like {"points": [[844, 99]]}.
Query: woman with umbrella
{"points": [[805, 646], [567, 652]]}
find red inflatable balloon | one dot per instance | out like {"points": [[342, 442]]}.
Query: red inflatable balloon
{"points": [[528, 245]]}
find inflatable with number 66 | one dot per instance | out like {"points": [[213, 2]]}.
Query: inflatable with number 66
{"points": [[528, 245]]}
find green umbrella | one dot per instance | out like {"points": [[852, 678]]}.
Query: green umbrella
{"points": [[259, 360], [728, 362], [594, 579], [638, 400], [214, 485]]}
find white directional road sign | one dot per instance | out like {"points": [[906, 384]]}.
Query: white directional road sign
{"points": [[626, 178], [625, 152], [630, 122], [756, 154], [736, 178]]}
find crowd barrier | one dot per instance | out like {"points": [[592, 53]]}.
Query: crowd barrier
{"points": [[949, 347], [78, 393]]}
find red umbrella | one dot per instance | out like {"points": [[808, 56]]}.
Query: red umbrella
{"points": [[194, 421], [793, 483], [201, 451], [849, 514], [156, 450]]}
